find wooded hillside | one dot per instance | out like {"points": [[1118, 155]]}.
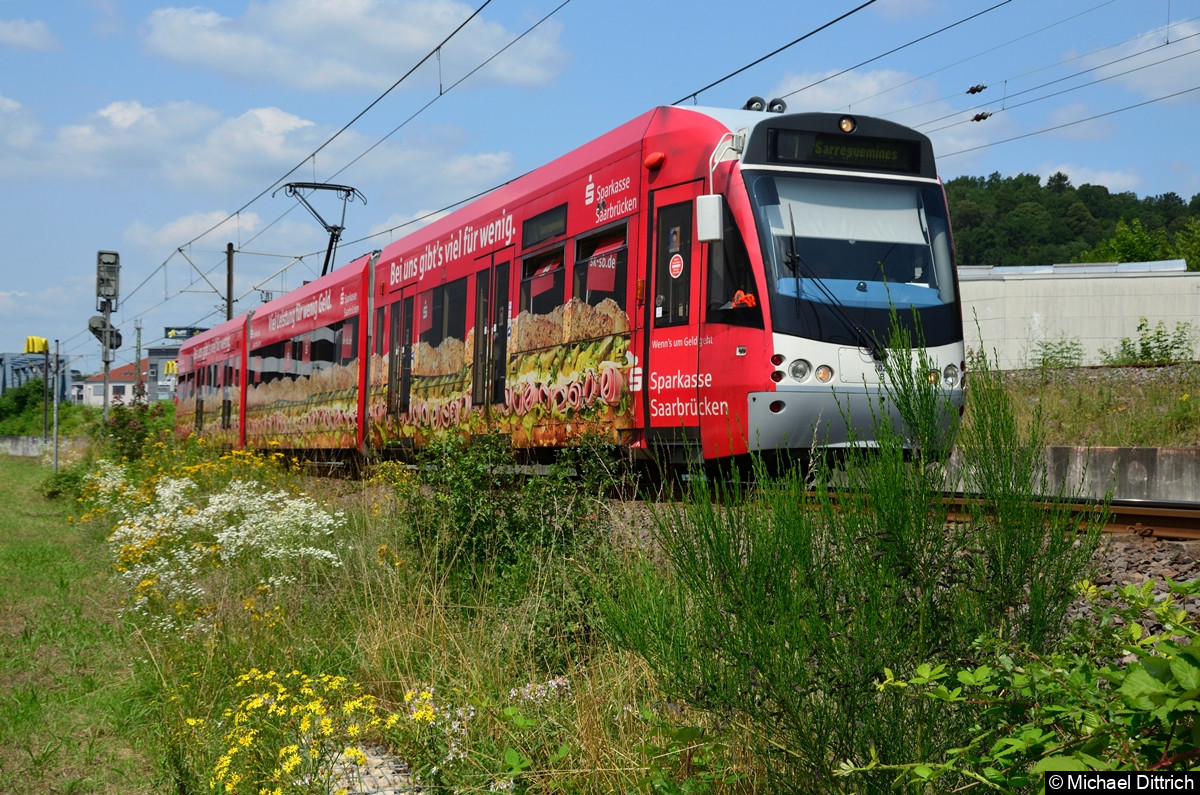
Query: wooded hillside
{"points": [[1018, 221]]}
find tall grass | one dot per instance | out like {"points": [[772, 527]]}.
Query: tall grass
{"points": [[781, 608], [427, 609], [504, 633]]}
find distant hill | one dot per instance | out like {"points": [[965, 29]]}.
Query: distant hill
{"points": [[1019, 221]]}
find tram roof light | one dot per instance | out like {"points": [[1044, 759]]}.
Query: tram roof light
{"points": [[847, 124]]}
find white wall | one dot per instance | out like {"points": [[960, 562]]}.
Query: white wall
{"points": [[1096, 305]]}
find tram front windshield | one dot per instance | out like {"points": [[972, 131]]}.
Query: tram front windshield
{"points": [[841, 252]]}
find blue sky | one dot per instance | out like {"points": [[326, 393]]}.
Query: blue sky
{"points": [[152, 129]]}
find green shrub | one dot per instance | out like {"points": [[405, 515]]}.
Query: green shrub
{"points": [[782, 607], [131, 426], [1121, 693], [1057, 353], [1154, 345]]}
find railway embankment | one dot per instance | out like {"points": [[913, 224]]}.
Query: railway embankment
{"points": [[1159, 474]]}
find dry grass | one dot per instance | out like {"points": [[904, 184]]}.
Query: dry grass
{"points": [[1112, 406]]}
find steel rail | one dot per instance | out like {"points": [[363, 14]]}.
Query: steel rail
{"points": [[1178, 521], [1175, 521]]}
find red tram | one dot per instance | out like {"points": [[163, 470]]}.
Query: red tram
{"points": [[702, 282]]}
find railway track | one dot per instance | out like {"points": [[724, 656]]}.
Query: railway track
{"points": [[1168, 521], [1179, 521]]}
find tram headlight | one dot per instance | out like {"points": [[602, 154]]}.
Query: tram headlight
{"points": [[824, 373], [950, 376], [800, 369]]}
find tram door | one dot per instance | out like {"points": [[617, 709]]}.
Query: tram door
{"points": [[400, 333], [492, 310], [672, 381]]}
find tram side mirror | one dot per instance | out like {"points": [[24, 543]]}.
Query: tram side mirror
{"points": [[710, 221]]}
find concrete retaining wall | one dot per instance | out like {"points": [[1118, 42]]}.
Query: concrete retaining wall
{"points": [[33, 446], [1170, 474]]}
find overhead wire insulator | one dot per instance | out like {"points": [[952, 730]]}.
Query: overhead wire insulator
{"points": [[980, 116], [975, 89]]}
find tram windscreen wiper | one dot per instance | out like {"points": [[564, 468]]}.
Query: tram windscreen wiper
{"points": [[798, 267]]}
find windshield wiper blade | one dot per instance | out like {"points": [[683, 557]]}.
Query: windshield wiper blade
{"points": [[861, 337]]}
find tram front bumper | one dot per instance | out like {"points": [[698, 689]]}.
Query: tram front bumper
{"points": [[806, 417]]}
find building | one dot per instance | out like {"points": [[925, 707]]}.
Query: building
{"points": [[1010, 311], [122, 383], [156, 378], [18, 368]]}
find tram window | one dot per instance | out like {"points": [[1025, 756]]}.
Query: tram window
{"points": [[733, 295], [325, 344], [441, 329], [600, 268], [673, 265], [542, 282], [349, 342], [379, 346], [443, 313]]}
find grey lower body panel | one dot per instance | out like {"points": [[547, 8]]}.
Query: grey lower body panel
{"points": [[819, 416]]}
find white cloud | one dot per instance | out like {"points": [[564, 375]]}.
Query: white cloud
{"points": [[359, 45], [1116, 181], [11, 300], [125, 140], [124, 115], [188, 227], [478, 169], [21, 34], [1149, 66], [18, 131], [250, 147]]}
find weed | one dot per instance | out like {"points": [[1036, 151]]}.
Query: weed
{"points": [[1153, 345]]}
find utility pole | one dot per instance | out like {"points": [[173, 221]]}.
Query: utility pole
{"points": [[137, 360], [229, 281], [57, 369], [46, 393]]}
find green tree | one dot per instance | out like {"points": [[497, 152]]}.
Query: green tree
{"points": [[1130, 243], [1187, 244], [21, 409]]}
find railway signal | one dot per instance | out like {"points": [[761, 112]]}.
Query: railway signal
{"points": [[108, 280], [109, 335]]}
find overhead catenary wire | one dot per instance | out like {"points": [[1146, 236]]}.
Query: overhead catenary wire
{"points": [[1044, 130], [695, 94], [980, 54], [1103, 79], [330, 139], [898, 49], [442, 92]]}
